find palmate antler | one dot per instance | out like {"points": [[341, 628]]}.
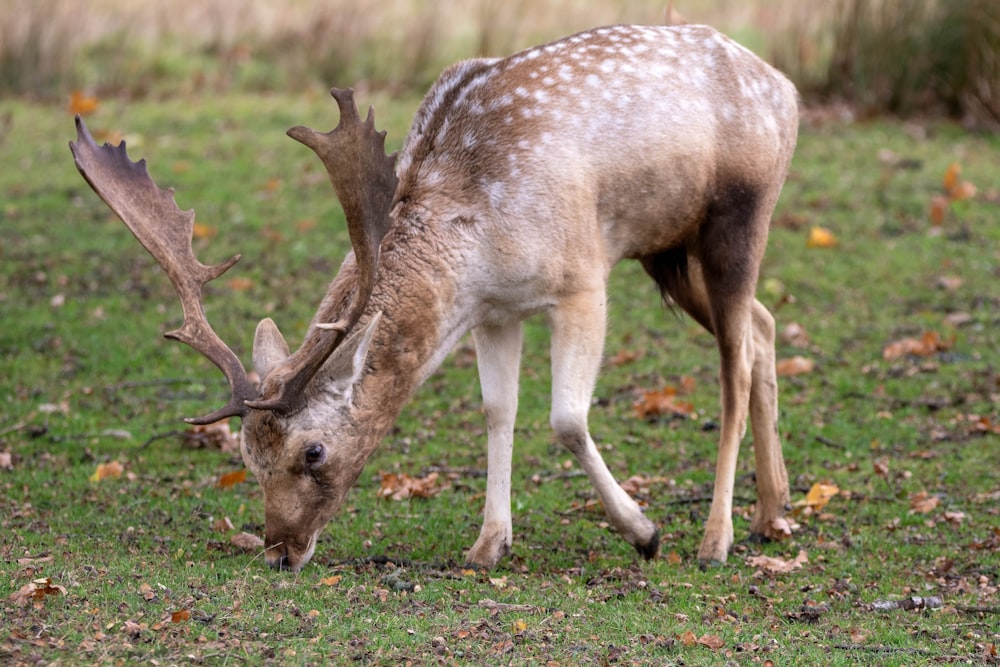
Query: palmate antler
{"points": [[364, 179], [165, 231]]}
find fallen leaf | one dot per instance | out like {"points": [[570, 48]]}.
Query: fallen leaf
{"points": [[955, 518], [33, 562], [520, 626], [81, 104], [147, 592], [778, 565], [213, 436], [794, 334], [688, 638], [820, 237], [819, 495], [203, 231], [331, 581], [951, 174], [929, 343], [922, 502], [948, 283], [246, 541], [36, 591], [963, 190], [794, 366], [939, 208], [881, 467], [112, 469], [674, 558], [180, 616], [239, 284], [403, 487], [713, 642], [661, 402], [232, 478], [223, 525], [6, 461], [622, 357]]}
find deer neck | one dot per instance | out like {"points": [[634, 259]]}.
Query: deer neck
{"points": [[423, 317]]}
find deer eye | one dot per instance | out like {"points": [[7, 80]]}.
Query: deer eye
{"points": [[314, 453]]}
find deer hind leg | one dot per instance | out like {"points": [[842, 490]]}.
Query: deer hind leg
{"points": [[498, 352], [578, 324], [772, 478], [717, 290]]}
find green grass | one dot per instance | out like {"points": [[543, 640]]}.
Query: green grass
{"points": [[89, 380]]}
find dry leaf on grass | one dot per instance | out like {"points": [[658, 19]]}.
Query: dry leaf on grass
{"points": [[819, 495], [247, 541], [778, 565], [213, 436], [36, 592], [922, 503], [930, 342], [400, 486], [6, 461], [794, 366], [661, 402], [795, 334], [111, 469], [232, 478], [820, 237]]}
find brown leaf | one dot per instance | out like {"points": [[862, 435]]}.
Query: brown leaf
{"points": [[81, 104], [622, 357], [794, 334], [402, 487], [6, 461], [239, 284], [36, 591], [951, 175], [246, 541], [212, 436], [713, 642], [331, 581], [929, 343], [232, 478], [203, 231], [688, 638], [939, 208], [820, 237], [147, 592], [112, 469], [794, 366], [922, 502], [223, 525], [881, 467], [180, 616], [661, 402], [819, 495], [778, 565]]}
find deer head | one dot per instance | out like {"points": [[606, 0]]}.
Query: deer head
{"points": [[285, 446]]}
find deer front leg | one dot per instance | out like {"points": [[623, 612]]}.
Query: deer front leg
{"points": [[772, 479], [498, 352], [578, 324]]}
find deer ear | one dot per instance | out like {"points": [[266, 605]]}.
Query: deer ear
{"points": [[343, 368], [269, 347]]}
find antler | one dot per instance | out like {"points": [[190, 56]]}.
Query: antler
{"points": [[364, 179], [165, 231]]}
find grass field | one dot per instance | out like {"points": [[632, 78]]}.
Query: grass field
{"points": [[892, 303]]}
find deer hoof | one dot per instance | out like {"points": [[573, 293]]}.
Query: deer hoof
{"points": [[649, 548]]}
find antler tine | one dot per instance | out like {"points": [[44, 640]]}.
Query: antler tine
{"points": [[165, 231], [364, 178]]}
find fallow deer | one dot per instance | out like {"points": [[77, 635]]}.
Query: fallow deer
{"points": [[522, 182]]}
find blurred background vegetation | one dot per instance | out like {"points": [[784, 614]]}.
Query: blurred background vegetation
{"points": [[904, 57]]}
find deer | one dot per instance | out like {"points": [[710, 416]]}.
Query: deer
{"points": [[521, 183]]}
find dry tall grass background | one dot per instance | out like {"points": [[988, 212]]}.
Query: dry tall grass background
{"points": [[899, 56]]}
